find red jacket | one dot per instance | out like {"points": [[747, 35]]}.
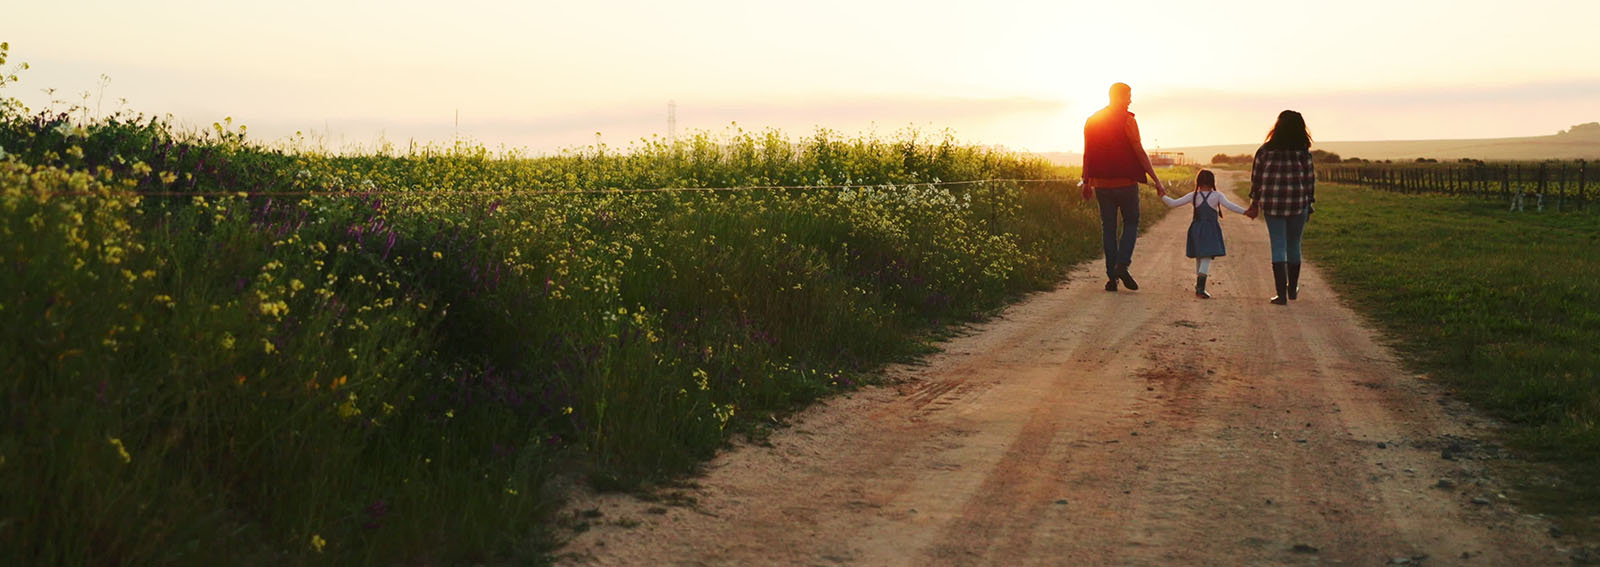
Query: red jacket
{"points": [[1107, 151]]}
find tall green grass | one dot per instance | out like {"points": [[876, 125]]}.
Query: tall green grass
{"points": [[1504, 306], [224, 353]]}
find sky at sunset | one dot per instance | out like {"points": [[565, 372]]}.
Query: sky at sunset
{"points": [[548, 75]]}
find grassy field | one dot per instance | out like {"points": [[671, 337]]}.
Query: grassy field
{"points": [[224, 353], [1503, 306]]}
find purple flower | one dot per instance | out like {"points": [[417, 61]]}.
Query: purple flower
{"points": [[375, 513], [389, 246]]}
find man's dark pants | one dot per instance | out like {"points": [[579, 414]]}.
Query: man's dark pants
{"points": [[1113, 200]]}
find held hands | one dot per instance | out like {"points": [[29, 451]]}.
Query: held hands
{"points": [[1161, 189], [1254, 211]]}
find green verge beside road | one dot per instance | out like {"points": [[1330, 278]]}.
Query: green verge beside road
{"points": [[1502, 306]]}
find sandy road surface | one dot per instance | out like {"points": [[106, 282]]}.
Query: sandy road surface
{"points": [[1090, 428]]}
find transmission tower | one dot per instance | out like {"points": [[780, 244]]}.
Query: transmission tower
{"points": [[672, 121]]}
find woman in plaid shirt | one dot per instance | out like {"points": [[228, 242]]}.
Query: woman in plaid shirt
{"points": [[1283, 186]]}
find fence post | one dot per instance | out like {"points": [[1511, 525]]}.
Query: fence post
{"points": [[1506, 180], [1562, 200], [1582, 197], [1544, 178]]}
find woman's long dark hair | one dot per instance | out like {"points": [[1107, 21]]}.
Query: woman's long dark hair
{"points": [[1289, 133]]}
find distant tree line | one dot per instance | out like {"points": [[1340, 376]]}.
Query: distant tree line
{"points": [[1317, 156], [1321, 156], [1581, 129]]}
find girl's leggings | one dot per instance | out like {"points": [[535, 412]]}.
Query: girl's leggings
{"points": [[1203, 265]]}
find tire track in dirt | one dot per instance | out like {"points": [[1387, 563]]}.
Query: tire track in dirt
{"points": [[1082, 427]]}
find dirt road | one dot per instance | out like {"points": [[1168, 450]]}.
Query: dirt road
{"points": [[1090, 428]]}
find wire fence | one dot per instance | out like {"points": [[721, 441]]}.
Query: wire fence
{"points": [[515, 192], [534, 192], [1557, 185]]}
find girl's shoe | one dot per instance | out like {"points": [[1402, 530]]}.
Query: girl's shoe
{"points": [[1200, 287]]}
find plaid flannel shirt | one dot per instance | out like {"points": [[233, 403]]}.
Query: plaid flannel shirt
{"points": [[1283, 182]]}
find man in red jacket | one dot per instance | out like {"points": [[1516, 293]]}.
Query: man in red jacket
{"points": [[1114, 164]]}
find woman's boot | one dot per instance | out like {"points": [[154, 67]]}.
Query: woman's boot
{"points": [[1280, 278], [1294, 280]]}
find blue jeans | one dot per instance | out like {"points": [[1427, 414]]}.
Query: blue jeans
{"points": [[1285, 235], [1112, 200]]}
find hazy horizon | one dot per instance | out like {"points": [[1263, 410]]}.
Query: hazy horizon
{"points": [[1022, 74]]}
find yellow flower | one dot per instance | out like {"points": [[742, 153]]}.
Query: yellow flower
{"points": [[266, 345], [337, 382], [317, 543], [275, 308], [348, 409], [566, 410], [437, 255], [227, 341], [121, 450]]}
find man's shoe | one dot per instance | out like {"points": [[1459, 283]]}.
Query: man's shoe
{"points": [[1111, 284], [1127, 279]]}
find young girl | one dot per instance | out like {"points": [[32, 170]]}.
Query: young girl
{"points": [[1205, 233]]}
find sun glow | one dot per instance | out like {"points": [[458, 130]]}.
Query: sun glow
{"points": [[1020, 73]]}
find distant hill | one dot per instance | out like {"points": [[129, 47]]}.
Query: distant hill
{"points": [[1579, 142], [1070, 159]]}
